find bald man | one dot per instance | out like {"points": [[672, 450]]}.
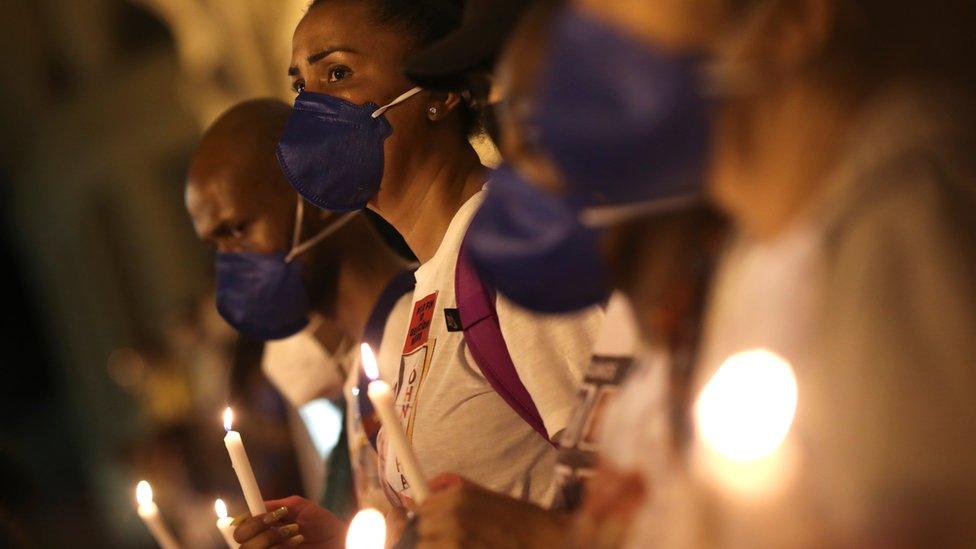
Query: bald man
{"points": [[283, 267]]}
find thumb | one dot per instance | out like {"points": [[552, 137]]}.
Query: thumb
{"points": [[294, 504]]}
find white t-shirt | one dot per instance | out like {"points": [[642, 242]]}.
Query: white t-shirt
{"points": [[369, 489], [455, 420], [302, 369]]}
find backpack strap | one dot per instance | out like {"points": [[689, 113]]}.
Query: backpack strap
{"points": [[401, 284], [483, 336]]}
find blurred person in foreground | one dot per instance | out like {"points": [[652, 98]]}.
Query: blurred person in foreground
{"points": [[281, 272], [655, 244], [843, 149], [464, 60]]}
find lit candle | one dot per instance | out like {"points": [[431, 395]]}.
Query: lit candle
{"points": [[150, 515], [225, 524], [367, 530], [746, 409], [382, 398], [743, 417], [242, 466]]}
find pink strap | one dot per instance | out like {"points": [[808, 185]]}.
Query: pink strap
{"points": [[483, 336]]}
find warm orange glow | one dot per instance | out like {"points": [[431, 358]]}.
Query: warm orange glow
{"points": [[221, 508], [144, 493], [367, 530], [369, 362], [228, 418], [746, 409]]}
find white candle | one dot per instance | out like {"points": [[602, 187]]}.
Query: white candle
{"points": [[242, 466], [382, 397], [150, 515], [225, 524], [367, 530]]}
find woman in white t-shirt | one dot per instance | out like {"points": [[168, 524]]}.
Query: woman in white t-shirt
{"points": [[411, 162]]}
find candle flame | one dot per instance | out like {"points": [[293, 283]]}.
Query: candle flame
{"points": [[221, 508], [746, 409], [367, 530], [369, 362], [228, 418], [144, 493]]}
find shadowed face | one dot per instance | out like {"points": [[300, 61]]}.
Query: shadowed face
{"points": [[239, 202], [515, 89], [232, 216]]}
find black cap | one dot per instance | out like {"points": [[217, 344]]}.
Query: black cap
{"points": [[474, 45]]}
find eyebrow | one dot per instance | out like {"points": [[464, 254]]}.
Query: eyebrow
{"points": [[320, 55]]}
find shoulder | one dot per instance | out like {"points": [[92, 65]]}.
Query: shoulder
{"points": [[571, 337], [513, 316], [921, 204], [911, 174], [900, 263]]}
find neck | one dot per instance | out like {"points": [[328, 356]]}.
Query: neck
{"points": [[779, 164], [426, 198], [362, 278]]}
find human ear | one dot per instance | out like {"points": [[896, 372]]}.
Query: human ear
{"points": [[441, 105], [800, 32]]}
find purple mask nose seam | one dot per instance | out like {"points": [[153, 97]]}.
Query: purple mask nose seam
{"points": [[331, 151]]}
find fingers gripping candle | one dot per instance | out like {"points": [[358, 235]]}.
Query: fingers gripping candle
{"points": [[149, 514], [242, 466], [381, 396]]}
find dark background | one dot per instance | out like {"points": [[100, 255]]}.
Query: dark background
{"points": [[114, 367]]}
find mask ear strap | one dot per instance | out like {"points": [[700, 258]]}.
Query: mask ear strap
{"points": [[403, 97], [603, 216], [325, 233], [299, 217]]}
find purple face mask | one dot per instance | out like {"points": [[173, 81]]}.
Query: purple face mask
{"points": [[262, 295], [332, 150], [624, 121]]}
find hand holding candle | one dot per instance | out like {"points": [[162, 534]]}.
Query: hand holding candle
{"points": [[382, 398], [242, 466], [225, 524], [367, 530], [150, 515]]}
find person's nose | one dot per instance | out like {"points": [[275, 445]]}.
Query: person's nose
{"points": [[231, 246]]}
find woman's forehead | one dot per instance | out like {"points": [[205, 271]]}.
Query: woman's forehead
{"points": [[347, 25]]}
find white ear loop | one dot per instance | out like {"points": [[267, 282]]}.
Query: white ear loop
{"points": [[403, 97], [603, 216], [298, 249]]}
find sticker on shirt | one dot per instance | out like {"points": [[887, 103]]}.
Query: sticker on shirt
{"points": [[414, 363], [417, 352], [413, 371], [419, 331]]}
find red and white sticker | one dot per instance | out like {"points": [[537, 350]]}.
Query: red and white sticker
{"points": [[423, 314]]}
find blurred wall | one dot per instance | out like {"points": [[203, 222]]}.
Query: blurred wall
{"points": [[102, 102]]}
